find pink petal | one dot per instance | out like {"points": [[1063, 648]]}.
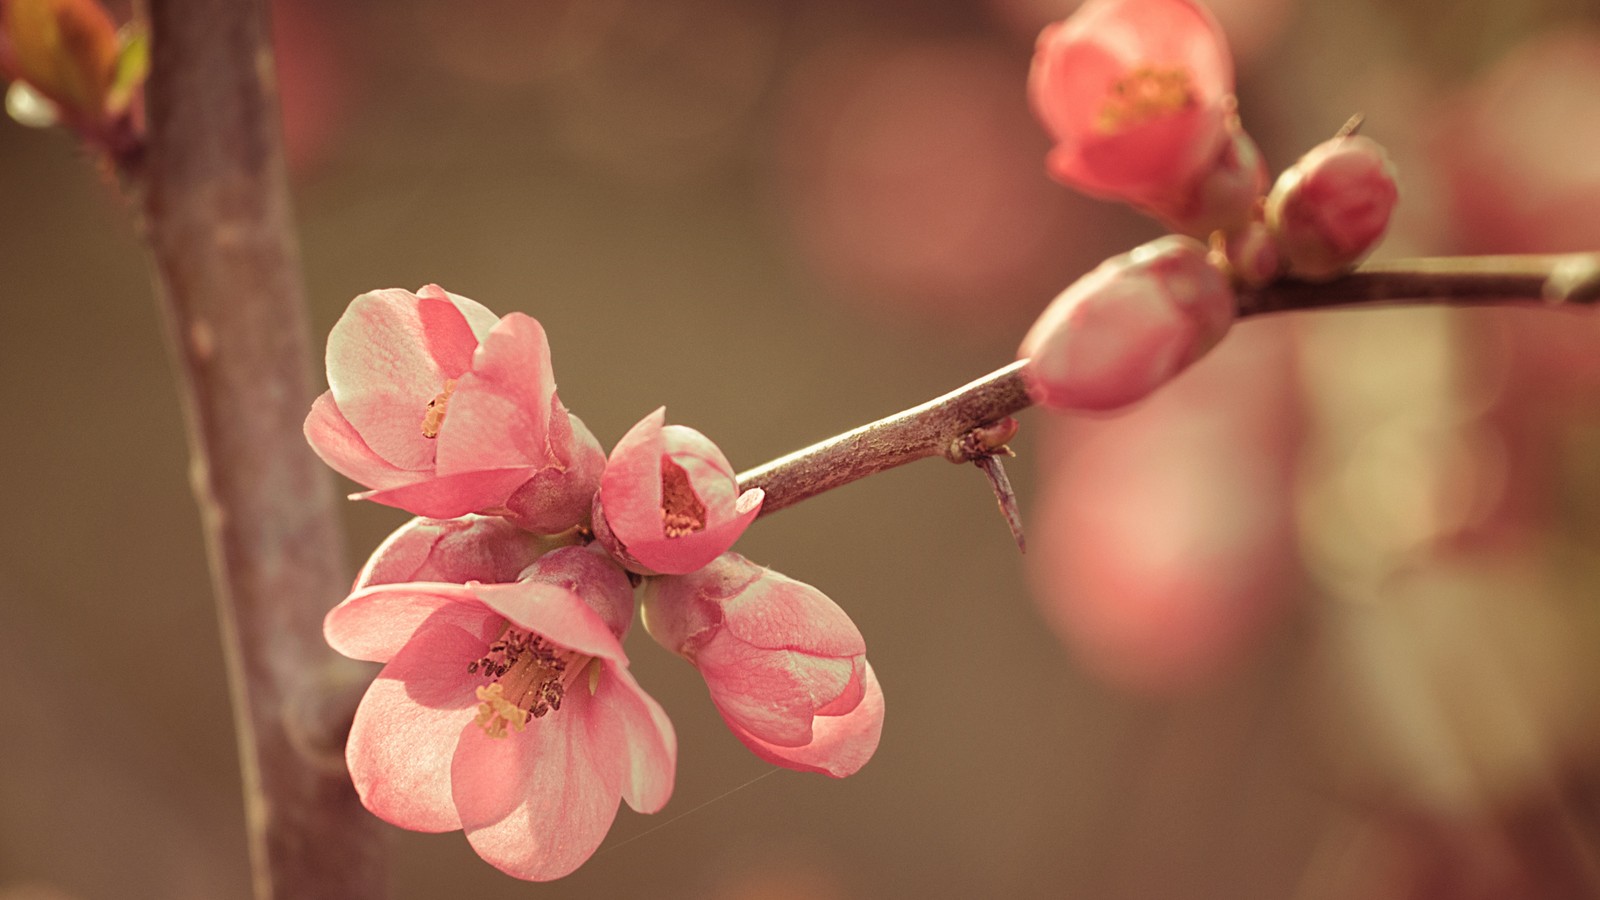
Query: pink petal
{"points": [[334, 439], [500, 412], [536, 803], [555, 613], [473, 548], [839, 746], [478, 316], [388, 356], [850, 696], [773, 694], [778, 612], [375, 623], [680, 611], [406, 728], [690, 552], [630, 488], [452, 495], [560, 495], [650, 744], [588, 572]]}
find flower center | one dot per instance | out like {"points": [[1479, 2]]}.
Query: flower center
{"points": [[528, 677], [681, 511], [1145, 93], [433, 415]]}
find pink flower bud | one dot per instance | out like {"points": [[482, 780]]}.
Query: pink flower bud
{"points": [[785, 666], [1127, 327], [668, 501], [487, 549], [1136, 95], [1251, 255], [1329, 209], [1225, 194], [443, 409]]}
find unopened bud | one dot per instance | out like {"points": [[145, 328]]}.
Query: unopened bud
{"points": [[1249, 254], [67, 50], [1127, 327], [1329, 210], [1226, 194]]}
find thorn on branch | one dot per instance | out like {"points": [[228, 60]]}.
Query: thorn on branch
{"points": [[983, 446], [1005, 495]]}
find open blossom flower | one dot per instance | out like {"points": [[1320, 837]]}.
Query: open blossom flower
{"points": [[443, 409], [669, 502], [786, 667], [1127, 327], [506, 710], [1137, 95]]}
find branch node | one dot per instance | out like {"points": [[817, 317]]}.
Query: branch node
{"points": [[983, 441]]}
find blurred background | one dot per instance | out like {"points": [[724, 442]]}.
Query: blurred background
{"points": [[1319, 621]]}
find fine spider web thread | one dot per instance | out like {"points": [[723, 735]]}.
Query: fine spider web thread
{"points": [[722, 796]]}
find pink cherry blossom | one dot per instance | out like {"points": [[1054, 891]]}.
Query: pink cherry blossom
{"points": [[506, 710], [1127, 327], [1137, 95], [1330, 209], [785, 665], [669, 502], [443, 410]]}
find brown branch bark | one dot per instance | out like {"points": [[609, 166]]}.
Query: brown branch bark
{"points": [[936, 428], [217, 220]]}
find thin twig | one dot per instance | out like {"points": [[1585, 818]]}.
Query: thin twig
{"points": [[218, 224], [929, 429]]}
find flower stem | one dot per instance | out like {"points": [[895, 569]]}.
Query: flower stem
{"points": [[218, 225], [937, 426]]}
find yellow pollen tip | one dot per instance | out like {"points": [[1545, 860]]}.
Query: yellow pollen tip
{"points": [[495, 712], [1143, 94], [433, 415]]}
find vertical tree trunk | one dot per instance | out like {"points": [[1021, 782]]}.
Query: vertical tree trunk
{"points": [[218, 223]]}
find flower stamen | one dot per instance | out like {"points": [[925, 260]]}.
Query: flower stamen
{"points": [[1145, 93], [681, 511], [528, 678], [433, 415]]}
